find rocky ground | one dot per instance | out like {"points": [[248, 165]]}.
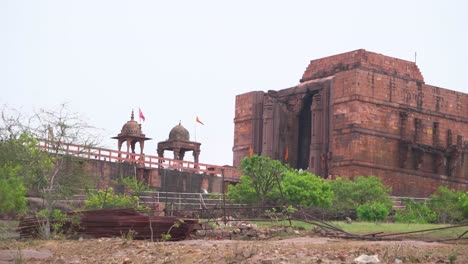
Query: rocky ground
{"points": [[299, 249]]}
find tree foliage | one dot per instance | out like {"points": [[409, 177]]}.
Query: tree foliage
{"points": [[52, 175], [450, 206], [132, 185], [16, 168], [305, 189], [12, 195], [109, 199], [415, 213], [263, 175], [349, 194], [243, 192], [373, 211]]}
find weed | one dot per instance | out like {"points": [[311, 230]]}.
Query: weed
{"points": [[128, 237], [167, 236], [453, 257]]}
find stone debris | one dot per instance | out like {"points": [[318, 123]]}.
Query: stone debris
{"points": [[366, 259]]}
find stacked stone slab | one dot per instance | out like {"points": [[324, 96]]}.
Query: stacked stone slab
{"points": [[361, 113]]}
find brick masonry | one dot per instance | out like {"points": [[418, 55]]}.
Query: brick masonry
{"points": [[107, 173], [361, 113]]}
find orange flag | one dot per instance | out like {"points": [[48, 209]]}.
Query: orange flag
{"points": [[286, 155], [141, 115], [198, 120], [250, 151]]}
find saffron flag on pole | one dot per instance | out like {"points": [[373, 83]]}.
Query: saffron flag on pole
{"points": [[251, 152], [198, 120], [141, 115], [286, 155]]}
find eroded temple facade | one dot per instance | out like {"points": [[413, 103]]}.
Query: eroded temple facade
{"points": [[361, 113]]}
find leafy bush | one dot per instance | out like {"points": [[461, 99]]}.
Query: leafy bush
{"points": [[305, 189], [373, 212], [415, 213], [108, 199], [52, 222], [349, 194], [12, 195], [243, 192], [132, 185], [450, 206], [259, 181]]}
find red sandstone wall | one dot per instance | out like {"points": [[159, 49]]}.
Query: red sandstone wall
{"points": [[366, 110], [362, 59], [402, 183], [248, 109], [368, 93]]}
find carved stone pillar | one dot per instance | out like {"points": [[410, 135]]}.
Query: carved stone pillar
{"points": [[317, 161], [181, 154], [176, 153], [196, 155], [268, 127], [142, 146]]}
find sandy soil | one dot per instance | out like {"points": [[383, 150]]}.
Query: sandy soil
{"points": [[288, 250]]}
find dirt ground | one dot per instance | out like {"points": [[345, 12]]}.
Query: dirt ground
{"points": [[305, 249]]}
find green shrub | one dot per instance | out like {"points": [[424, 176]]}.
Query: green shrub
{"points": [[53, 220], [450, 206], [349, 194], [259, 181], [373, 212], [12, 195], [415, 213], [305, 189], [108, 199], [132, 185]]}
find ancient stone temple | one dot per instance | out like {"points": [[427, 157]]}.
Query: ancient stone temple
{"points": [[361, 113]]}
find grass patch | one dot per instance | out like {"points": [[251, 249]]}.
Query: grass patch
{"points": [[295, 224], [368, 227], [8, 229], [371, 227]]}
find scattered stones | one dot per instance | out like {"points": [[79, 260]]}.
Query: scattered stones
{"points": [[267, 261], [366, 259], [200, 233]]}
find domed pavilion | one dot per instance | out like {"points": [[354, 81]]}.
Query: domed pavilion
{"points": [[131, 134], [179, 143]]}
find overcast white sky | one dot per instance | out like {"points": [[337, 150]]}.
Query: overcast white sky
{"points": [[180, 59]]}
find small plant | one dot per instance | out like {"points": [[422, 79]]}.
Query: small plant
{"points": [[18, 257], [278, 216], [449, 205], [129, 235], [52, 221], [373, 212], [453, 257], [132, 185], [415, 213], [148, 212], [109, 199], [167, 236]]}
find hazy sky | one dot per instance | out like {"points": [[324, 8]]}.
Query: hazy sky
{"points": [[180, 59]]}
